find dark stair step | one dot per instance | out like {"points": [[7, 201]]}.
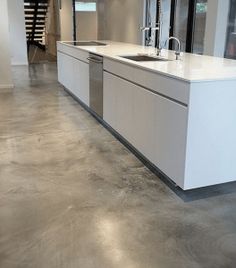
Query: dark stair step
{"points": [[36, 1], [36, 33], [38, 23], [41, 6], [29, 12], [37, 27], [36, 36]]}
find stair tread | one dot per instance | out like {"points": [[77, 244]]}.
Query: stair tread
{"points": [[29, 12], [35, 19], [36, 1]]}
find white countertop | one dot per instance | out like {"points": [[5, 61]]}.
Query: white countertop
{"points": [[191, 67]]}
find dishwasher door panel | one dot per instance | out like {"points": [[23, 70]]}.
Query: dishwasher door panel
{"points": [[96, 84]]}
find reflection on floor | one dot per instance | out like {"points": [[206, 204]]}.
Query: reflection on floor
{"points": [[37, 55], [72, 196]]}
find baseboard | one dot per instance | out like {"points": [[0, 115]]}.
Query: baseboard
{"points": [[7, 86], [19, 64]]}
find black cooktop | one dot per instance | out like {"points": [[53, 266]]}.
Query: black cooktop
{"points": [[85, 43]]}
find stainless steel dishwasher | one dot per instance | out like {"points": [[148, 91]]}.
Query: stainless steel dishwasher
{"points": [[96, 84]]}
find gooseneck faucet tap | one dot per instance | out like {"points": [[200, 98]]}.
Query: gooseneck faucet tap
{"points": [[159, 27], [177, 51]]}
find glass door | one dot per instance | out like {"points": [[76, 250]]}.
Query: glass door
{"points": [[199, 26], [180, 22], [230, 51], [188, 20]]}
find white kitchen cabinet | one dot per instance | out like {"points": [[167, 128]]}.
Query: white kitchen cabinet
{"points": [[154, 125], [65, 73], [124, 108], [171, 122], [173, 88], [81, 81], [109, 101], [179, 114], [73, 74], [117, 99]]}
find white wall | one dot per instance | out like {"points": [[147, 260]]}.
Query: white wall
{"points": [[66, 20], [122, 20], [17, 32], [100, 18], [118, 20], [86, 25], [5, 56], [216, 27]]}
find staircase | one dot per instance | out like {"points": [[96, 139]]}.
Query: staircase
{"points": [[35, 20]]}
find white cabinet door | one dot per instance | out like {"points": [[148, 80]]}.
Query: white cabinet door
{"points": [[60, 63], [73, 74], [109, 100], [154, 125], [65, 70], [170, 122], [124, 108], [81, 81], [117, 99], [128, 109], [144, 122], [160, 132]]}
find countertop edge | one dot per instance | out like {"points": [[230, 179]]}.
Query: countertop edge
{"points": [[130, 63]]}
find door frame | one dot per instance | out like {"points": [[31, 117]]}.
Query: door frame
{"points": [[230, 28], [190, 24], [74, 20]]}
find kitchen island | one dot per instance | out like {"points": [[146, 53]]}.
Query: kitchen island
{"points": [[178, 115]]}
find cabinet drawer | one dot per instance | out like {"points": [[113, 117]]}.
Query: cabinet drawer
{"points": [[73, 52], [65, 65], [170, 87], [73, 74]]}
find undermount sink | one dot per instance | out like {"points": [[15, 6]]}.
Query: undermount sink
{"points": [[85, 43], [143, 58]]}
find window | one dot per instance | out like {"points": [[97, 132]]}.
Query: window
{"points": [[188, 20], [180, 22], [199, 27], [85, 6], [201, 7], [230, 51]]}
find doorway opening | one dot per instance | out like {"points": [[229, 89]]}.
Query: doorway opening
{"points": [[42, 30], [230, 51], [184, 19]]}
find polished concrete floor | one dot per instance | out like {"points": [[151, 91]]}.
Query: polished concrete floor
{"points": [[37, 55], [72, 196]]}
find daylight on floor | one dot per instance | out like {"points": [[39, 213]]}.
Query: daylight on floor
{"points": [[118, 134]]}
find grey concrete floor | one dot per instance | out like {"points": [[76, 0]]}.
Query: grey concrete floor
{"points": [[72, 196]]}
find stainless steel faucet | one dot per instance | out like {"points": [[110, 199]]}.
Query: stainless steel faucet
{"points": [[149, 29], [177, 51], [157, 27]]}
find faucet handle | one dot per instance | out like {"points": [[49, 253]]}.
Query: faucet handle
{"points": [[177, 54], [144, 28]]}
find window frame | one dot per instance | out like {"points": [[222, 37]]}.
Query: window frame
{"points": [[90, 2], [190, 24]]}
